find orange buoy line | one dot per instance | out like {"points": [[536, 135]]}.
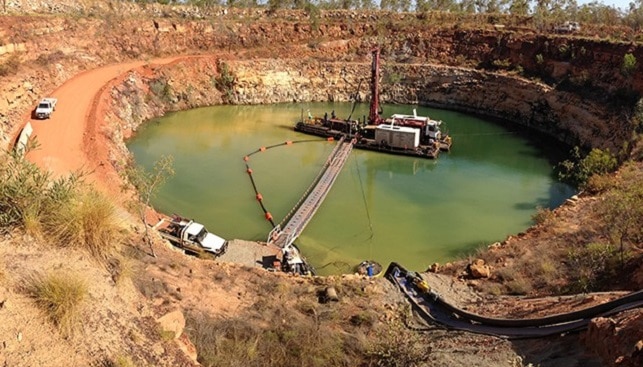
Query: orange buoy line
{"points": [[258, 195], [288, 142]]}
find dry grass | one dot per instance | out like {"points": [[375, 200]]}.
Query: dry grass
{"points": [[31, 222], [519, 286], [398, 347], [89, 222], [542, 215], [10, 65], [121, 269], [240, 342], [3, 272], [60, 296], [123, 361]]}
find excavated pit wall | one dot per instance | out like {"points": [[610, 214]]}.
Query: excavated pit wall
{"points": [[152, 92], [580, 104]]}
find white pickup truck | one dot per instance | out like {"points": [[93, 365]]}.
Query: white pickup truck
{"points": [[191, 236], [45, 108]]}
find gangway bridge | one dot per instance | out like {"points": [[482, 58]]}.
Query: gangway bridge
{"points": [[306, 207]]}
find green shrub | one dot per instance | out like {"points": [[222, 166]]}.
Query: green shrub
{"points": [[629, 64], [591, 263], [622, 214], [564, 51], [60, 208], [27, 193], [225, 82], [502, 64], [60, 297], [161, 88], [579, 170], [392, 77], [540, 59]]}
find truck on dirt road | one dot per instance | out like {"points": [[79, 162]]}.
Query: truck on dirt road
{"points": [[193, 237], [45, 108]]}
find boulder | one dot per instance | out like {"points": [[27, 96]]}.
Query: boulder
{"points": [[478, 269], [434, 268], [173, 322]]}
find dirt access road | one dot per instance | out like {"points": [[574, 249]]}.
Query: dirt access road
{"points": [[70, 140]]}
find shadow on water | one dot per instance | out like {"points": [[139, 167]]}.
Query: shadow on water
{"points": [[286, 127], [468, 250], [533, 205]]}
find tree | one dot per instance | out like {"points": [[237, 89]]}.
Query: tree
{"points": [[467, 6], [634, 17], [147, 185], [490, 6], [519, 7], [441, 5], [622, 210]]}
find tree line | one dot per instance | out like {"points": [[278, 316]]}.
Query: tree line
{"points": [[555, 10]]}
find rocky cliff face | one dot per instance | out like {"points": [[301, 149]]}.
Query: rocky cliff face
{"points": [[617, 339], [565, 116], [570, 88]]}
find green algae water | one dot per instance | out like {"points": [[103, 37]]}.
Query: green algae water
{"points": [[382, 207]]}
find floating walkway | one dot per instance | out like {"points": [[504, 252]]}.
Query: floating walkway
{"points": [[305, 209]]}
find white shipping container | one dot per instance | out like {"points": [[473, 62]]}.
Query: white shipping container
{"points": [[398, 136]]}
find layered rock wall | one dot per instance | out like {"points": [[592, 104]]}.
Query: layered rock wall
{"points": [[191, 83], [576, 91]]}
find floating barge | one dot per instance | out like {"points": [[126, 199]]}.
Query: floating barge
{"points": [[385, 138], [410, 135]]}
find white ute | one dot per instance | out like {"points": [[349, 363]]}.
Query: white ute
{"points": [[46, 107], [191, 235]]}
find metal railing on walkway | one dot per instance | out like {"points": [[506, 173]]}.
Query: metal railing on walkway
{"points": [[284, 235]]}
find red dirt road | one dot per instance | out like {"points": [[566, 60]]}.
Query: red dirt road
{"points": [[64, 144]]}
